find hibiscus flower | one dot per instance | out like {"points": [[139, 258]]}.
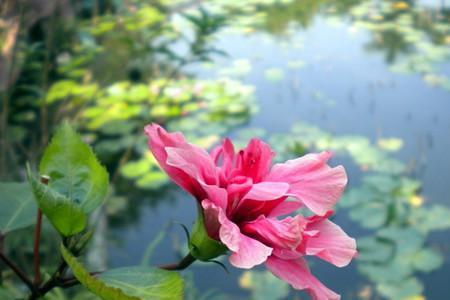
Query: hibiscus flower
{"points": [[247, 204]]}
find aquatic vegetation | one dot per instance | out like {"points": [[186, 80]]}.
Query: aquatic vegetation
{"points": [[74, 185], [273, 74], [208, 108], [392, 256], [413, 40], [388, 202], [263, 286], [240, 202], [110, 67], [367, 156]]}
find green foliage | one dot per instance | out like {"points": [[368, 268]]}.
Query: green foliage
{"points": [[411, 43], [65, 215], [432, 218], [93, 284], [78, 183], [382, 200], [366, 155], [17, 207], [132, 283], [208, 108], [145, 282], [273, 74], [74, 171], [387, 202], [112, 106], [9, 293], [393, 255]]}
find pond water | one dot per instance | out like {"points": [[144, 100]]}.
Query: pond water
{"points": [[366, 79], [335, 71]]}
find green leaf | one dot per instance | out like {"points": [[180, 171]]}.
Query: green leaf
{"points": [[369, 214], [401, 290], [130, 283], [93, 284], [426, 219], [74, 170], [274, 74], [17, 208], [146, 282], [65, 215], [408, 240], [373, 250], [427, 260], [60, 90], [6, 294], [390, 144]]}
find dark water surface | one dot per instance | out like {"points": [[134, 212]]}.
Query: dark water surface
{"points": [[345, 88]]}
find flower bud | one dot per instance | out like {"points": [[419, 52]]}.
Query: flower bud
{"points": [[201, 246]]}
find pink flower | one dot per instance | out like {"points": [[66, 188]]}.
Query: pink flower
{"points": [[244, 198]]}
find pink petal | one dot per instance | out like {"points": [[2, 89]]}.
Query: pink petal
{"points": [[255, 201], [286, 253], [216, 195], [247, 252], [194, 161], [297, 274], [330, 243], [211, 219], [286, 233], [158, 140], [250, 253], [312, 181], [265, 191], [230, 234], [237, 188], [284, 208], [254, 161], [224, 154]]}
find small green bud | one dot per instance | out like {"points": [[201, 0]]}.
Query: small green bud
{"points": [[201, 246]]}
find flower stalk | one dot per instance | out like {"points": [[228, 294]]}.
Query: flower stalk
{"points": [[181, 265], [17, 271]]}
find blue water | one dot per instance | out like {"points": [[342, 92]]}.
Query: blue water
{"points": [[344, 89]]}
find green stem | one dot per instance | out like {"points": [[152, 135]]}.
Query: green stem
{"points": [[2, 246], [18, 272], [183, 264], [54, 281], [36, 257], [37, 238]]}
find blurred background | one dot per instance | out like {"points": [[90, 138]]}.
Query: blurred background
{"points": [[367, 79]]}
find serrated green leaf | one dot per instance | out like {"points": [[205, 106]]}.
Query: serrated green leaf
{"points": [[74, 170], [17, 208], [66, 216], [93, 284], [146, 282]]}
